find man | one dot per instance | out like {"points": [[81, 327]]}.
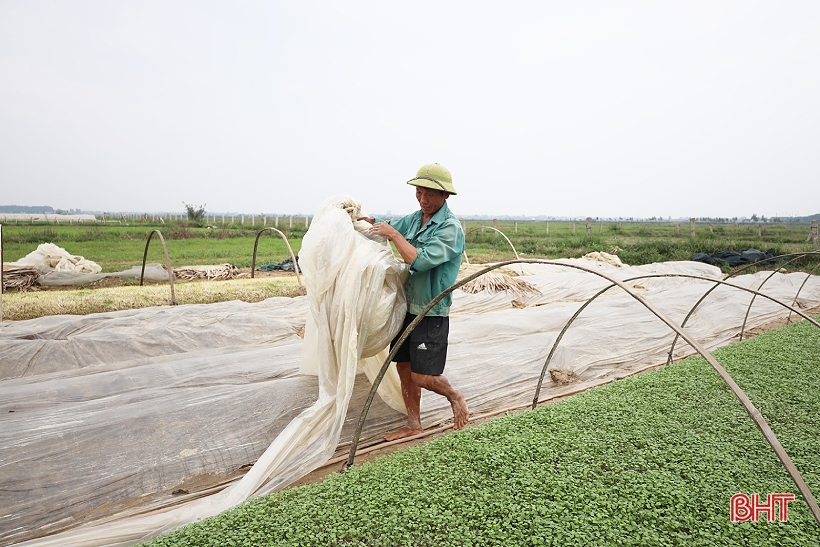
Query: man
{"points": [[431, 241]]}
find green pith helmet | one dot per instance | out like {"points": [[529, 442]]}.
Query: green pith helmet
{"points": [[434, 176]]}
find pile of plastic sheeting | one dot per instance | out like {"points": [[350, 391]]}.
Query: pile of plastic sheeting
{"points": [[57, 267], [107, 416], [48, 257]]}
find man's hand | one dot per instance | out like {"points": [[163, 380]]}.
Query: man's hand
{"points": [[384, 230], [404, 247]]}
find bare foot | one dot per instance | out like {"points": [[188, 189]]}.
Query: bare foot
{"points": [[461, 414], [402, 433]]}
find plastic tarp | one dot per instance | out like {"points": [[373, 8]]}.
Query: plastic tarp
{"points": [[734, 258], [108, 415], [356, 306]]}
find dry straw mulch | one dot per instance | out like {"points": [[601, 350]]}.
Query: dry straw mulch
{"points": [[496, 281], [19, 278], [28, 305], [215, 272]]}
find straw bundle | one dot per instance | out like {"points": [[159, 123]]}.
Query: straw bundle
{"points": [[495, 281], [563, 377], [211, 273], [20, 278]]}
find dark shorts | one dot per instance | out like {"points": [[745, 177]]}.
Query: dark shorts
{"points": [[426, 347]]}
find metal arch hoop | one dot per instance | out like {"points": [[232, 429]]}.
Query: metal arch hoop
{"points": [[167, 263], [649, 276], [794, 302], [728, 276], [292, 256], [502, 234], [760, 422]]}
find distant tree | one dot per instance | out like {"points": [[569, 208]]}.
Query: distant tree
{"points": [[196, 213], [754, 217]]}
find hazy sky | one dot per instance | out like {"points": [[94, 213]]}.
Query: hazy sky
{"points": [[610, 109]]}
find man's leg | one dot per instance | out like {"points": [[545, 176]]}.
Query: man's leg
{"points": [[411, 393], [440, 384]]}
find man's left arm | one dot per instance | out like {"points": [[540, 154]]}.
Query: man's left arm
{"points": [[447, 244]]}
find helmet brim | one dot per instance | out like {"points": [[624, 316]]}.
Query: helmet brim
{"points": [[432, 183]]}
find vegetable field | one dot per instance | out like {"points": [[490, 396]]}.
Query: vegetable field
{"points": [[648, 460]]}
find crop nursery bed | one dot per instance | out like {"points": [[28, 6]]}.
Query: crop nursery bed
{"points": [[110, 415], [652, 459]]}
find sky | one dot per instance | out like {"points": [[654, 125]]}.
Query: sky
{"points": [[563, 109]]}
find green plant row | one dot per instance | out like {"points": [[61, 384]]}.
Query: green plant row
{"points": [[649, 460]]}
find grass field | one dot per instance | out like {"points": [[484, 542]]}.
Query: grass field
{"points": [[635, 243], [117, 247], [649, 460]]}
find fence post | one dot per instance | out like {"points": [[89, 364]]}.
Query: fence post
{"points": [[291, 222], [692, 227], [307, 221], [813, 236], [573, 227], [677, 229], [759, 230], [276, 221], [495, 225], [589, 225], [711, 229], [601, 229], [482, 227], [464, 226], [548, 227], [516, 226]]}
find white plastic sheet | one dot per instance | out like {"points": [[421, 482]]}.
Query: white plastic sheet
{"points": [[357, 306], [114, 412], [49, 257], [59, 268]]}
